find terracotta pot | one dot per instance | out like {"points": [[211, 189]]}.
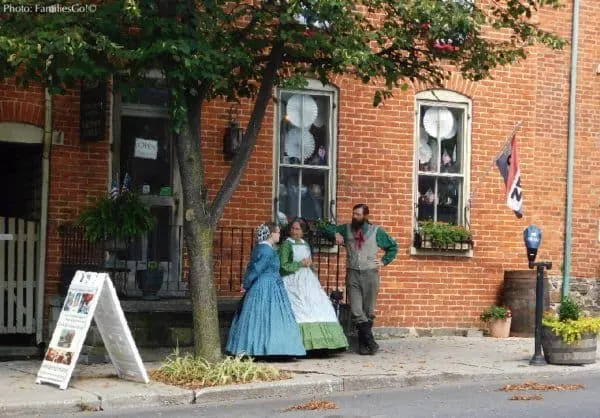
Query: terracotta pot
{"points": [[500, 328]]}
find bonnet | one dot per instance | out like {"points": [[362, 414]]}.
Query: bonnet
{"points": [[262, 233]]}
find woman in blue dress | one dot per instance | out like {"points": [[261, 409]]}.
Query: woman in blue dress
{"points": [[265, 324]]}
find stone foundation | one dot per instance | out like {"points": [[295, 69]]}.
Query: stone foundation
{"points": [[584, 291], [162, 323]]}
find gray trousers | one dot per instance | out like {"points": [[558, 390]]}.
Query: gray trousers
{"points": [[362, 287]]}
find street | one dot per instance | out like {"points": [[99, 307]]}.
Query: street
{"points": [[451, 400]]}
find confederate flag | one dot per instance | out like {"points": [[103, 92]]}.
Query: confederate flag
{"points": [[508, 164]]}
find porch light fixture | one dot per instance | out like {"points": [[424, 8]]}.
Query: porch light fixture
{"points": [[232, 138]]}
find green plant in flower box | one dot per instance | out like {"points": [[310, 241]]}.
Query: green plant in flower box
{"points": [[444, 234]]}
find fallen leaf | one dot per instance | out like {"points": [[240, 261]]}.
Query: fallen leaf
{"points": [[369, 365], [537, 397], [312, 406], [540, 387]]}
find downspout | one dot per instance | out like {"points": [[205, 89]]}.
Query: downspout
{"points": [[42, 248], [571, 150]]}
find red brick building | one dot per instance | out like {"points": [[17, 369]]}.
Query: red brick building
{"points": [[351, 152]]}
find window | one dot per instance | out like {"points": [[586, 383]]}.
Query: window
{"points": [[442, 147], [305, 152]]}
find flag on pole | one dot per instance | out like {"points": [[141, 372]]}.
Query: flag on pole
{"points": [[508, 164]]}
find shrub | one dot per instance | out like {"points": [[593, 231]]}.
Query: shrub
{"points": [[193, 372], [568, 309], [572, 330]]}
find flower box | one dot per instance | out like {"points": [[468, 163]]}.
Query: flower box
{"points": [[425, 242]]}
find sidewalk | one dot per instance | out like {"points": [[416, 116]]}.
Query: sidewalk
{"points": [[400, 362]]}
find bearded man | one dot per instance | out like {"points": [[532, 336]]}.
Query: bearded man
{"points": [[363, 240]]}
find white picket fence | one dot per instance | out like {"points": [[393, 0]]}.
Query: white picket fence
{"points": [[18, 273]]}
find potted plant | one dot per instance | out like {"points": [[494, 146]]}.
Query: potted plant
{"points": [[498, 319], [116, 220], [442, 236], [150, 281], [569, 338]]}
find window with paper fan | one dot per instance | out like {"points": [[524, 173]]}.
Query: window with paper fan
{"points": [[306, 144], [442, 158]]}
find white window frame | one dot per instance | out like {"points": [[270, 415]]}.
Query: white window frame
{"points": [[314, 88], [451, 99]]}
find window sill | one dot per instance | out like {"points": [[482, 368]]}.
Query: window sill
{"points": [[420, 252], [157, 200]]}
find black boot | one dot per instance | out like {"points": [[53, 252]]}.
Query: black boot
{"points": [[363, 348], [370, 341]]}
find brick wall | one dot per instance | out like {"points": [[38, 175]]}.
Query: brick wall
{"points": [[375, 165]]}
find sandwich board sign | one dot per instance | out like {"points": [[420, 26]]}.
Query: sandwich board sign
{"points": [[91, 295]]}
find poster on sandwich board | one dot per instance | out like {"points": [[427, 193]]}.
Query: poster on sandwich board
{"points": [[91, 295]]}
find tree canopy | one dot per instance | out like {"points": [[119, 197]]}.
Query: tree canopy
{"points": [[222, 48]]}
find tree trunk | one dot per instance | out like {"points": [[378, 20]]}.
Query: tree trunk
{"points": [[207, 339], [198, 234]]}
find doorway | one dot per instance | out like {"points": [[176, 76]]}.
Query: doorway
{"points": [[20, 212], [143, 148]]}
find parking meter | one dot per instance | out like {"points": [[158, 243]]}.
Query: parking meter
{"points": [[532, 235]]}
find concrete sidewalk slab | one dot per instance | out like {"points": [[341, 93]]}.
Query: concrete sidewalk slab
{"points": [[400, 362], [438, 355], [20, 395]]}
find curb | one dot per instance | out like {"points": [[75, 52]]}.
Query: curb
{"points": [[368, 382], [371, 382], [302, 385], [51, 408], [154, 399]]}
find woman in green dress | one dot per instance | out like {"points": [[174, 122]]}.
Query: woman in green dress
{"points": [[312, 308]]}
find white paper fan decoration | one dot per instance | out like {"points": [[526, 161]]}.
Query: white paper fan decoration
{"points": [[438, 121], [452, 131], [425, 152], [321, 113], [301, 110], [297, 138]]}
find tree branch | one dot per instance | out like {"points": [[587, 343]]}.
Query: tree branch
{"points": [[240, 162]]}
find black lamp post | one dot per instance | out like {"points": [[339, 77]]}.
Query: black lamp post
{"points": [[532, 235]]}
